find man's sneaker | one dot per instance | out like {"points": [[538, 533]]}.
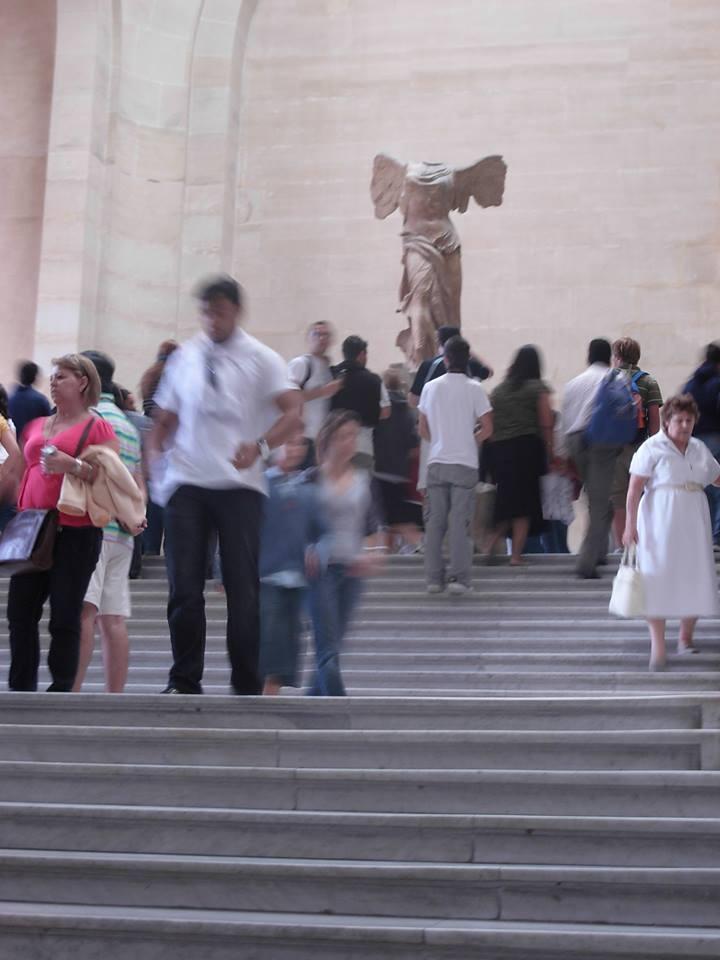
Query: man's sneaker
{"points": [[434, 588], [457, 588]]}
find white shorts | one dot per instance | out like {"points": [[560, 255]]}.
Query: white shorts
{"points": [[109, 588]]}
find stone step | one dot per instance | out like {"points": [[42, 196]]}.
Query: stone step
{"points": [[538, 793], [70, 932], [673, 896], [413, 583], [556, 690], [478, 626], [414, 666], [146, 663], [439, 838], [397, 750], [498, 684], [662, 712], [535, 683], [373, 645]]}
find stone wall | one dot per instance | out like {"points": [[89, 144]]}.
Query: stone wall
{"points": [[191, 135], [607, 113], [27, 46]]}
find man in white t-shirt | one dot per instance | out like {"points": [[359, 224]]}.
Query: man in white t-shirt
{"points": [[595, 464], [224, 401], [312, 375], [455, 417]]}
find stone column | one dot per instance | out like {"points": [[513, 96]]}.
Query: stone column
{"points": [[71, 231]]}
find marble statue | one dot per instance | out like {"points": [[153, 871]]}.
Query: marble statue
{"points": [[426, 193]]}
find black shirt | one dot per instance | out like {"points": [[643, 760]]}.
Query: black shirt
{"points": [[432, 369], [360, 392]]}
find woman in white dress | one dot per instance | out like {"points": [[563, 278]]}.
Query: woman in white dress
{"points": [[669, 519]]}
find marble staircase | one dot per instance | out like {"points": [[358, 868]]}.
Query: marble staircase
{"points": [[506, 780]]}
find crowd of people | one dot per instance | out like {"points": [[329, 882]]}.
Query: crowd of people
{"points": [[291, 481]]}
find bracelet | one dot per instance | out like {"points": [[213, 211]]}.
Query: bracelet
{"points": [[263, 449], [80, 464]]}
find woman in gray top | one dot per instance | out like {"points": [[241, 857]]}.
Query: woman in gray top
{"points": [[345, 498]]}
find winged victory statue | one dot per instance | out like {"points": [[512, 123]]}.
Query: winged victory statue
{"points": [[426, 193]]}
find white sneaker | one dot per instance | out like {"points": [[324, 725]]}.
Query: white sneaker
{"points": [[434, 588], [458, 588]]}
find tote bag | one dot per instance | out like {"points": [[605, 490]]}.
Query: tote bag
{"points": [[628, 594]]}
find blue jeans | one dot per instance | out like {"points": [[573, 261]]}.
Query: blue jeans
{"points": [[280, 629], [554, 540], [152, 537], [712, 442], [333, 598]]}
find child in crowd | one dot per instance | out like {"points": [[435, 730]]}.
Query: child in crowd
{"points": [[344, 493], [294, 549]]}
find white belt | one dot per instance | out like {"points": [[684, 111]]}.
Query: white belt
{"points": [[689, 487]]}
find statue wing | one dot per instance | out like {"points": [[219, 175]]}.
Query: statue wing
{"points": [[387, 184], [484, 180]]}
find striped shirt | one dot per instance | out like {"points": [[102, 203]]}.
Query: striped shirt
{"points": [[129, 441]]}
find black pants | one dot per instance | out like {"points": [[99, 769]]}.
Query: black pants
{"points": [[190, 517], [76, 552]]}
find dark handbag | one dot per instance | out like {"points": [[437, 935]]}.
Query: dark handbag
{"points": [[28, 541]]}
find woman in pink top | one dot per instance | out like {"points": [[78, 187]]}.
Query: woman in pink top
{"points": [[75, 388]]}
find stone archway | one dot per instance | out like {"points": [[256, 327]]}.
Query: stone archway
{"points": [[141, 183]]}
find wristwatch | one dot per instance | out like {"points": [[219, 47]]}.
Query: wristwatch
{"points": [[263, 449]]}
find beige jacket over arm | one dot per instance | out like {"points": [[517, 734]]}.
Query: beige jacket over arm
{"points": [[113, 494]]}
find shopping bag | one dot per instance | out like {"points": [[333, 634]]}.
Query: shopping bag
{"points": [[628, 594]]}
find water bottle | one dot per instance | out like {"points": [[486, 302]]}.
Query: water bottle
{"points": [[47, 451]]}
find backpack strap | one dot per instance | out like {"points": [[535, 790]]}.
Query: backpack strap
{"points": [[432, 368], [308, 360]]}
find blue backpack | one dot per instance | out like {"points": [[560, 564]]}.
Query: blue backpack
{"points": [[615, 418]]}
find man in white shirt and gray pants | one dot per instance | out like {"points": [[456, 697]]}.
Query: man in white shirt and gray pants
{"points": [[455, 417], [224, 401], [595, 463]]}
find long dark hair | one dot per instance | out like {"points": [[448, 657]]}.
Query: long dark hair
{"points": [[525, 366], [333, 422], [4, 412]]}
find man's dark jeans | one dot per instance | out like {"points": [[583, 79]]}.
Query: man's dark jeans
{"points": [[190, 517], [76, 553]]}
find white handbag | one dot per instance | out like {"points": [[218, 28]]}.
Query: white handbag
{"points": [[628, 593]]}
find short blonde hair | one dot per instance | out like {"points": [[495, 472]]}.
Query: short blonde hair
{"points": [[82, 367], [393, 380]]}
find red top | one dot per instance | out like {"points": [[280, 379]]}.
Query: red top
{"points": [[40, 491]]}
